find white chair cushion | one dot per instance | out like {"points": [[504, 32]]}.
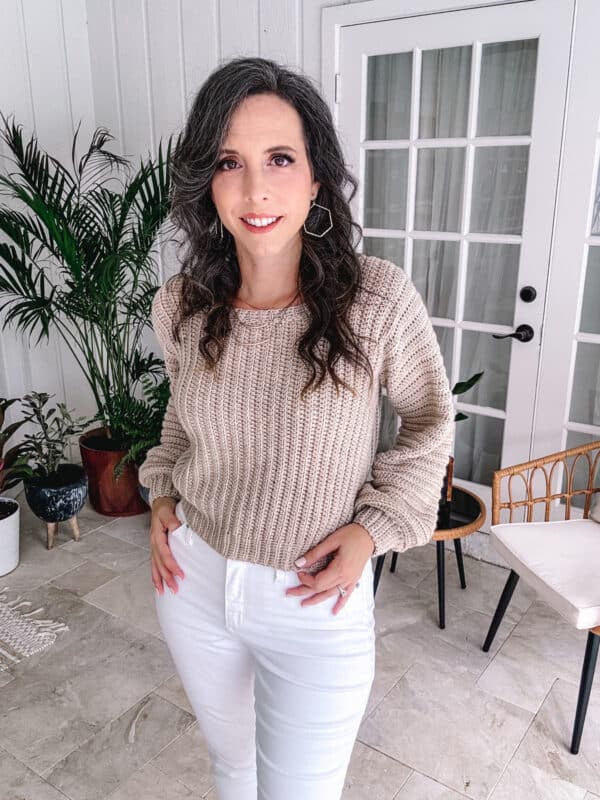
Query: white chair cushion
{"points": [[560, 560]]}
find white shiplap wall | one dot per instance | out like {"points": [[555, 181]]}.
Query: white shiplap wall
{"points": [[132, 66]]}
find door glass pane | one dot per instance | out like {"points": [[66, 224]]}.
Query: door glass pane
{"points": [[445, 337], [506, 88], [581, 472], [590, 309], [477, 448], [499, 181], [391, 249], [389, 81], [480, 352], [596, 211], [434, 273], [439, 191], [385, 189], [492, 274], [585, 400], [445, 82]]}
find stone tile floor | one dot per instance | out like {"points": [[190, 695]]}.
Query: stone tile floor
{"points": [[102, 714]]}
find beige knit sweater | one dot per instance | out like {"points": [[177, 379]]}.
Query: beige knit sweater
{"points": [[263, 476]]}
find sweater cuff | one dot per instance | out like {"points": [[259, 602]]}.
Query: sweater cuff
{"points": [[378, 525], [161, 486]]}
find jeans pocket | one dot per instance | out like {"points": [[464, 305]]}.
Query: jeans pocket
{"points": [[177, 531]]}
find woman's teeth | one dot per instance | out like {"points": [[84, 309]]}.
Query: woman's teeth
{"points": [[259, 223]]}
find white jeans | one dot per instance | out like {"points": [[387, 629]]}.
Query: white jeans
{"points": [[279, 690]]}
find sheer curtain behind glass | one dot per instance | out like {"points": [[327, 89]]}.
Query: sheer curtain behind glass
{"points": [[497, 205]]}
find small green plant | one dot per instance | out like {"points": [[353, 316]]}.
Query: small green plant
{"points": [[463, 386], [14, 466], [55, 426]]}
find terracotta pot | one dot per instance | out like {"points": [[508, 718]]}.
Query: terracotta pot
{"points": [[113, 498]]}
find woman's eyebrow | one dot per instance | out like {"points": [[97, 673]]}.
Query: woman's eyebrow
{"points": [[268, 150]]}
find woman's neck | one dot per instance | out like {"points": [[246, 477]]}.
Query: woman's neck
{"points": [[280, 303]]}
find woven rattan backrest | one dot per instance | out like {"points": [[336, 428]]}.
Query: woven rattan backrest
{"points": [[586, 456]]}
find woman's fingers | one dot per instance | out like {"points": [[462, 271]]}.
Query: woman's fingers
{"points": [[318, 597], [167, 577], [168, 560], [164, 566], [156, 579], [343, 599]]}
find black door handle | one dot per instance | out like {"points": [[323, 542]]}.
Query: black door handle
{"points": [[524, 333]]}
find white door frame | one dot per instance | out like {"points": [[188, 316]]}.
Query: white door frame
{"points": [[577, 184]]}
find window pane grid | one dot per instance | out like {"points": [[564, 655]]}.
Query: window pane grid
{"points": [[442, 226]]}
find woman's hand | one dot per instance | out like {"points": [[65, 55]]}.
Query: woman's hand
{"points": [[164, 567], [354, 547]]}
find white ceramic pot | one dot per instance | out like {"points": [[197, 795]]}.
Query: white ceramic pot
{"points": [[9, 535]]}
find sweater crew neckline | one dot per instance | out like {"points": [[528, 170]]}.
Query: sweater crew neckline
{"points": [[266, 312]]}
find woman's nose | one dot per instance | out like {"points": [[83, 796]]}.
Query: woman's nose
{"points": [[255, 184]]}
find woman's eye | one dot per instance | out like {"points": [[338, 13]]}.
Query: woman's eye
{"points": [[282, 155], [222, 163]]}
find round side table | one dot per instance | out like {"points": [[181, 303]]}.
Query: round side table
{"points": [[463, 515]]}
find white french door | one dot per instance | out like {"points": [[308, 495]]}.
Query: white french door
{"points": [[453, 123]]}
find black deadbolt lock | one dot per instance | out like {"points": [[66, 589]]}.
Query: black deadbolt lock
{"points": [[528, 294]]}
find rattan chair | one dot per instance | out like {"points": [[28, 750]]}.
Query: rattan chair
{"points": [[558, 558]]}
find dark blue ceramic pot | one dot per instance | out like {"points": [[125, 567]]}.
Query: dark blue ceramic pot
{"points": [[59, 496]]}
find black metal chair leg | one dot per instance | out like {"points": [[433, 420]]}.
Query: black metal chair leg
{"points": [[377, 573], [459, 561], [505, 597], [585, 688], [441, 583], [394, 560]]}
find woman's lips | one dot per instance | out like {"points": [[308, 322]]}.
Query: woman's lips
{"points": [[262, 228]]}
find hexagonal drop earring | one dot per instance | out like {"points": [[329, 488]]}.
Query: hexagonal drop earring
{"points": [[319, 235]]}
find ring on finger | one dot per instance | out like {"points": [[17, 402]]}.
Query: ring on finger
{"points": [[343, 592]]}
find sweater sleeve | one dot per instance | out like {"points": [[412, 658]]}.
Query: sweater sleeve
{"points": [[399, 506], [156, 471]]}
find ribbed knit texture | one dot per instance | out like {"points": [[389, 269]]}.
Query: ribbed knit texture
{"points": [[262, 475]]}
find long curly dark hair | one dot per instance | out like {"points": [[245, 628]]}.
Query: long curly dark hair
{"points": [[330, 273]]}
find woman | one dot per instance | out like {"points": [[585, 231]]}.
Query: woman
{"points": [[276, 336]]}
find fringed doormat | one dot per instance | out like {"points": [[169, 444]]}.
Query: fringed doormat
{"points": [[20, 634]]}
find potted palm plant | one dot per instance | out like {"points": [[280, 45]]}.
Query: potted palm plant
{"points": [[14, 468], [144, 426], [78, 260], [57, 489]]}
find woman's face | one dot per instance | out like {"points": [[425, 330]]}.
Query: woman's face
{"points": [[263, 172]]}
